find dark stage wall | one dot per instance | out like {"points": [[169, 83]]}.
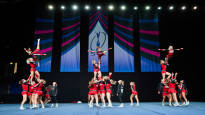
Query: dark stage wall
{"points": [[182, 29]]}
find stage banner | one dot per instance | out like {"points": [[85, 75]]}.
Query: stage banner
{"points": [[149, 42], [123, 43], [44, 30], [70, 55], [98, 37]]}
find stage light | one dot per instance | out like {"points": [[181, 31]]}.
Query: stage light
{"points": [[62, 7], [75, 7], [135, 8], [111, 7], [195, 8], [11, 63], [171, 7], [50, 7], [123, 7], [159, 8], [87, 7], [183, 8], [147, 7], [98, 7]]}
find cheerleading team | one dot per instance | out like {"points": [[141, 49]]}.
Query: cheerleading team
{"points": [[168, 85]]}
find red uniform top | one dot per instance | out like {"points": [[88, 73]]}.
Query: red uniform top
{"points": [[181, 87], [32, 65], [96, 66], [172, 85], [133, 88], [24, 87], [30, 88], [33, 87], [35, 51], [100, 53], [171, 52], [165, 88], [39, 87], [108, 86], [102, 86], [47, 91], [164, 67], [93, 87]]}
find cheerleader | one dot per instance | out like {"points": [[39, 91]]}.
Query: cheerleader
{"points": [[100, 53], [164, 69], [170, 52], [33, 71], [33, 94], [47, 96], [120, 89], [182, 93], [108, 88], [24, 93], [172, 88], [39, 92], [134, 94], [33, 61], [163, 90], [96, 68], [93, 93], [102, 90]]}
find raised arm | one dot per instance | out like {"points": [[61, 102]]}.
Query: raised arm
{"points": [[179, 49], [163, 49], [110, 74], [175, 75]]}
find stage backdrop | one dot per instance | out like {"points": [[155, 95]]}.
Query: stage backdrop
{"points": [[149, 42], [123, 43], [44, 30], [98, 36], [70, 56]]}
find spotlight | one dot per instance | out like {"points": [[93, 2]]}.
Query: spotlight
{"points": [[98, 7], [111, 7], [11, 63], [195, 8], [147, 7], [50, 7], [183, 8], [87, 7], [62, 7], [171, 7], [75, 7], [135, 8], [123, 7], [159, 8]]}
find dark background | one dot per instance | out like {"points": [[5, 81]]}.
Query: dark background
{"points": [[181, 28]]}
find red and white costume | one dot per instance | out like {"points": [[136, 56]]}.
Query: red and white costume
{"points": [[39, 91], [25, 89], [181, 88], [172, 88], [134, 92], [93, 89], [164, 68], [47, 96], [96, 67], [165, 89]]}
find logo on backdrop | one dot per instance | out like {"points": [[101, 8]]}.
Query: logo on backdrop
{"points": [[98, 41]]}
